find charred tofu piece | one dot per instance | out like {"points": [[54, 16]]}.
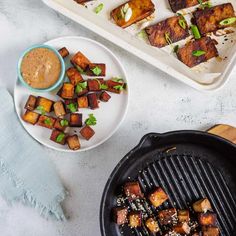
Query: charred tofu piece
{"points": [[94, 85], [61, 124], [73, 142], [67, 91], [74, 76], [71, 105], [183, 216], [132, 12], [104, 96], [133, 190], [46, 121], [81, 88], [168, 216], [44, 104], [202, 205], [210, 231], [96, 69], [114, 86], [93, 101], [135, 219], [177, 5], [182, 228], [80, 61], [76, 120], [167, 31], [64, 52], [198, 51], [82, 102], [208, 20], [87, 132], [31, 103], [58, 137], [152, 225], [158, 197], [207, 218], [120, 215], [59, 109], [30, 117]]}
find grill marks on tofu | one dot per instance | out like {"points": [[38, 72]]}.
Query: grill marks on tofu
{"points": [[208, 19], [177, 5], [157, 33], [206, 44]]}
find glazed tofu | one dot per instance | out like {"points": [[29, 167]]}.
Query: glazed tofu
{"points": [[74, 76], [80, 61], [93, 101], [31, 103], [139, 10], [152, 225], [206, 45], [210, 231], [71, 105], [96, 69], [73, 142], [120, 215], [104, 96], [44, 104], [135, 219], [158, 197], [46, 121], [177, 5], [168, 216], [30, 117], [64, 52], [208, 19], [94, 85], [59, 109], [207, 218], [202, 205], [133, 190], [61, 124], [87, 132], [75, 120], [67, 91], [114, 86], [182, 228], [167, 31], [183, 216], [58, 137], [82, 102]]}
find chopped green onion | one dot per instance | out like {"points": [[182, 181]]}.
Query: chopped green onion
{"points": [[48, 121], [167, 37], [176, 48], [198, 53], [96, 70], [91, 120], [228, 21], [195, 32], [119, 87], [103, 86], [41, 109], [99, 8], [80, 69], [204, 5], [80, 87], [182, 23], [72, 107], [64, 122], [142, 34], [116, 79], [60, 137]]}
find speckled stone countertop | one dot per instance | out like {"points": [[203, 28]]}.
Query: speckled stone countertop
{"points": [[158, 103]]}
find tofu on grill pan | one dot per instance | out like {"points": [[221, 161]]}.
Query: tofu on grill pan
{"points": [[177, 5]]}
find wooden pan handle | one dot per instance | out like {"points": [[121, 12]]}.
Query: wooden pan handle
{"points": [[224, 131]]}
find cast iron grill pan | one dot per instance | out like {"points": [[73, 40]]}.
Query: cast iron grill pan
{"points": [[188, 165]]}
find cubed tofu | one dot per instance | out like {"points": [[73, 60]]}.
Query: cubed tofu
{"points": [[167, 216], [208, 20], [178, 5], [64, 52], [76, 120], [80, 61], [120, 215], [59, 109], [158, 197], [152, 225], [135, 219], [87, 132], [94, 85], [96, 69], [168, 31], [93, 101], [133, 190], [61, 124], [58, 137], [183, 216], [74, 76], [82, 102], [30, 117], [73, 142], [207, 218], [140, 9], [31, 103], [71, 105], [205, 44], [46, 121], [114, 86], [67, 91], [202, 205], [210, 231], [182, 228], [44, 104], [104, 96]]}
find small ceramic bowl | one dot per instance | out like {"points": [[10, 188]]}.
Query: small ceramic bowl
{"points": [[57, 83]]}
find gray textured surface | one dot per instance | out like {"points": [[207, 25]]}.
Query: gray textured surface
{"points": [[157, 103]]}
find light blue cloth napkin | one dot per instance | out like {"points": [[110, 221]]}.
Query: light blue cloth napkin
{"points": [[26, 173]]}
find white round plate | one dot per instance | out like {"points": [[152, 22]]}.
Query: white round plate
{"points": [[109, 115]]}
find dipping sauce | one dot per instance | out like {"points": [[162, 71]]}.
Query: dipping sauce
{"points": [[40, 68]]}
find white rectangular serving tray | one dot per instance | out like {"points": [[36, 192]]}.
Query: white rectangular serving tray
{"points": [[208, 76]]}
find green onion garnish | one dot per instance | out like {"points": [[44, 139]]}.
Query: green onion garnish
{"points": [[60, 137], [182, 22], [176, 48], [72, 107], [91, 120], [228, 21], [41, 109], [64, 122], [47, 121], [96, 70], [198, 53], [99, 8], [195, 32], [167, 37]]}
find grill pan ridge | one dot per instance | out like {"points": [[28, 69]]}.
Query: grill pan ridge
{"points": [[189, 165]]}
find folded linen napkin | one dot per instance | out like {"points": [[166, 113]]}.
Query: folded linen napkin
{"points": [[26, 173]]}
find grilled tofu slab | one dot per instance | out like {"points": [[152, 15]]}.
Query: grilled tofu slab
{"points": [[177, 5], [205, 44], [140, 9], [175, 28], [208, 19]]}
